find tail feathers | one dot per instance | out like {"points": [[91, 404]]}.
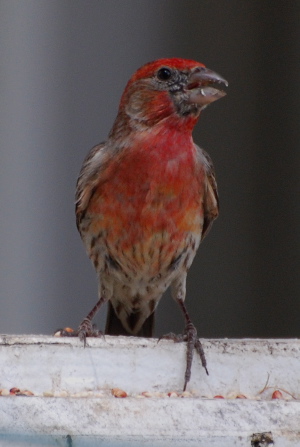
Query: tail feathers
{"points": [[114, 325]]}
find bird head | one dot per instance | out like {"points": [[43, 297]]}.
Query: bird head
{"points": [[174, 90]]}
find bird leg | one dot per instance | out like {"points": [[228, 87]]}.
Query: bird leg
{"points": [[86, 328], [190, 336]]}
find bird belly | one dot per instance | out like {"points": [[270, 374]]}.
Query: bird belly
{"points": [[141, 256], [143, 228]]}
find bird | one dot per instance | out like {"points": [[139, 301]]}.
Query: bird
{"points": [[147, 197]]}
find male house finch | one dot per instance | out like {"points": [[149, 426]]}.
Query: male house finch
{"points": [[146, 198]]}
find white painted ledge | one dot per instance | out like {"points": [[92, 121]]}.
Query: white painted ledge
{"points": [[73, 405]]}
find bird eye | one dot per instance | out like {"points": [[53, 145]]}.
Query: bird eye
{"points": [[164, 74]]}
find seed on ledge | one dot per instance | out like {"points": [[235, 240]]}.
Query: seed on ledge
{"points": [[277, 395], [117, 392], [14, 391]]}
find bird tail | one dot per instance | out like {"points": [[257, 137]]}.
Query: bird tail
{"points": [[114, 325]]}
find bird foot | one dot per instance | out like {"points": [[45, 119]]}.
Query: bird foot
{"points": [[191, 338], [193, 341], [85, 329]]}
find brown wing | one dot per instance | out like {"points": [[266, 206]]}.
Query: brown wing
{"points": [[88, 180], [211, 198]]}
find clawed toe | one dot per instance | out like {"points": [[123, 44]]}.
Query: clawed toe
{"points": [[191, 338], [85, 329], [174, 337], [192, 342]]}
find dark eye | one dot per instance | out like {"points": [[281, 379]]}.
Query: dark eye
{"points": [[164, 74]]}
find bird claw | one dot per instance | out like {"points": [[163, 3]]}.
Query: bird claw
{"points": [[193, 341], [191, 338], [85, 329]]}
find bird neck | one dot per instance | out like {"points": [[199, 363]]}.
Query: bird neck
{"points": [[126, 127]]}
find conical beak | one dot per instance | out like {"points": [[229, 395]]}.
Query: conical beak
{"points": [[199, 87]]}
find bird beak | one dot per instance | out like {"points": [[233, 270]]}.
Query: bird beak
{"points": [[199, 87]]}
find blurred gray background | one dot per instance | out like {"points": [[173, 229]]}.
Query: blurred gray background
{"points": [[63, 67]]}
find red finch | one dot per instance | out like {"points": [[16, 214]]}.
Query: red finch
{"points": [[147, 197]]}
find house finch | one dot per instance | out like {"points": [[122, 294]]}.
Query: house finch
{"points": [[147, 196]]}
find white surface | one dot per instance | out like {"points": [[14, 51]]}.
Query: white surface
{"points": [[185, 421], [64, 367], [42, 363]]}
